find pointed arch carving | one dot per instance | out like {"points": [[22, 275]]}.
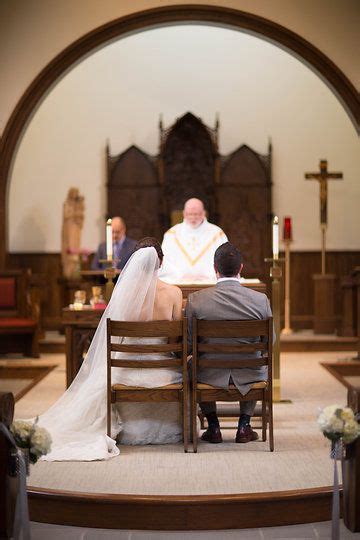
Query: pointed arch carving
{"points": [[134, 192], [187, 161], [245, 192]]}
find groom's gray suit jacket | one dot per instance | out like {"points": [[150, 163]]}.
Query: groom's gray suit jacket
{"points": [[228, 300]]}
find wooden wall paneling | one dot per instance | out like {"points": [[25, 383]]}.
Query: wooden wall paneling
{"points": [[303, 265], [46, 268]]}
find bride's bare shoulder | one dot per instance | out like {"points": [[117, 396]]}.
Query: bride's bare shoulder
{"points": [[172, 290]]}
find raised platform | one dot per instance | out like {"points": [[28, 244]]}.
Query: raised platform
{"points": [[223, 486], [307, 341]]}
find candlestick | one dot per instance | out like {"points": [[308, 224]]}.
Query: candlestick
{"points": [[275, 238], [109, 243], [275, 275]]}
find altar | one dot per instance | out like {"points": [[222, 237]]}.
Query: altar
{"points": [[80, 325]]}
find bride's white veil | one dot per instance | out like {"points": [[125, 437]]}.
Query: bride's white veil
{"points": [[77, 421]]}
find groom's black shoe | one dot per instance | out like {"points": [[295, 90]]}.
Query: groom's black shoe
{"points": [[246, 434], [212, 435]]}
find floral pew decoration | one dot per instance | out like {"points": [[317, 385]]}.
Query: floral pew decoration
{"points": [[341, 426], [32, 440]]}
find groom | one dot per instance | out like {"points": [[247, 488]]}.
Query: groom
{"points": [[228, 300]]}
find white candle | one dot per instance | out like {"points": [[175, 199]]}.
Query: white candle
{"points": [[275, 238], [109, 243]]}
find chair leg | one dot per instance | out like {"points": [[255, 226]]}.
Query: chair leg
{"points": [[185, 419], [263, 418], [271, 427], [193, 418], [108, 418]]}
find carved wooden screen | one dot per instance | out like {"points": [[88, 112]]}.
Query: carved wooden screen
{"points": [[188, 163], [236, 189], [134, 193], [244, 206]]}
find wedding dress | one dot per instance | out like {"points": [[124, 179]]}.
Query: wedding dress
{"points": [[77, 421], [148, 423]]}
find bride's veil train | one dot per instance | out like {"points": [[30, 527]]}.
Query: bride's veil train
{"points": [[77, 421]]}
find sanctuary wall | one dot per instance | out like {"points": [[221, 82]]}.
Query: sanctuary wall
{"points": [[331, 28], [118, 93]]}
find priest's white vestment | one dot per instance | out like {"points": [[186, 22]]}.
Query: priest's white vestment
{"points": [[189, 252]]}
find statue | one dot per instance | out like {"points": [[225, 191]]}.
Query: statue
{"points": [[73, 219]]}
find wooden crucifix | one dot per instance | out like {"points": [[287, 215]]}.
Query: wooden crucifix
{"points": [[323, 176]]}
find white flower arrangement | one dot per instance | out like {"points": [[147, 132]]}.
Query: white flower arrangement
{"points": [[338, 422], [32, 437]]}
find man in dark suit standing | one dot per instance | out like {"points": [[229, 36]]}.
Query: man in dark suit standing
{"points": [[229, 300], [123, 247]]}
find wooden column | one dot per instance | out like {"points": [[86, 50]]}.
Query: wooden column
{"points": [[324, 303]]}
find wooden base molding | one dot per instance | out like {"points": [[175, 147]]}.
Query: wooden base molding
{"points": [[202, 512]]}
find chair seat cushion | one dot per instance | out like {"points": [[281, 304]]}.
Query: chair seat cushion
{"points": [[125, 387], [16, 322], [256, 386]]}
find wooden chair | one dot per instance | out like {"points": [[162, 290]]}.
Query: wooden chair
{"points": [[19, 329], [176, 334], [203, 334]]}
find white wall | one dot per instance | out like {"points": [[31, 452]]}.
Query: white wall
{"points": [[32, 32], [119, 92]]}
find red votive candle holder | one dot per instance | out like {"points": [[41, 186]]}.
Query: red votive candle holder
{"points": [[287, 228]]}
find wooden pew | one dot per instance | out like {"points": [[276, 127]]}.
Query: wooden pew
{"points": [[19, 328], [8, 484]]}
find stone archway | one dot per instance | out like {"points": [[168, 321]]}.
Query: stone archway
{"points": [[214, 15]]}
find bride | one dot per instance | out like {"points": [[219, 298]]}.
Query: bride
{"points": [[77, 421]]}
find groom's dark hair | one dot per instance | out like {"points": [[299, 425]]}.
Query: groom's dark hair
{"points": [[227, 260], [150, 241]]}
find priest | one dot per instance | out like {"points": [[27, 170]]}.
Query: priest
{"points": [[189, 247]]}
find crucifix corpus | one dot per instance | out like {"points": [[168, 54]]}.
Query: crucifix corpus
{"points": [[322, 177]]}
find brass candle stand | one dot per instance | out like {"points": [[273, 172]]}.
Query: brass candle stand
{"points": [[276, 275], [109, 273]]}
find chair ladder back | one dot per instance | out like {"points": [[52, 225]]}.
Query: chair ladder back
{"points": [[146, 329], [228, 330], [232, 328], [171, 330], [152, 329]]}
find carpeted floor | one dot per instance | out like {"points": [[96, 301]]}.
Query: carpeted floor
{"points": [[301, 457]]}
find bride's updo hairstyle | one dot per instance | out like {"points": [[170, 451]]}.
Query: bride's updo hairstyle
{"points": [[150, 241]]}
